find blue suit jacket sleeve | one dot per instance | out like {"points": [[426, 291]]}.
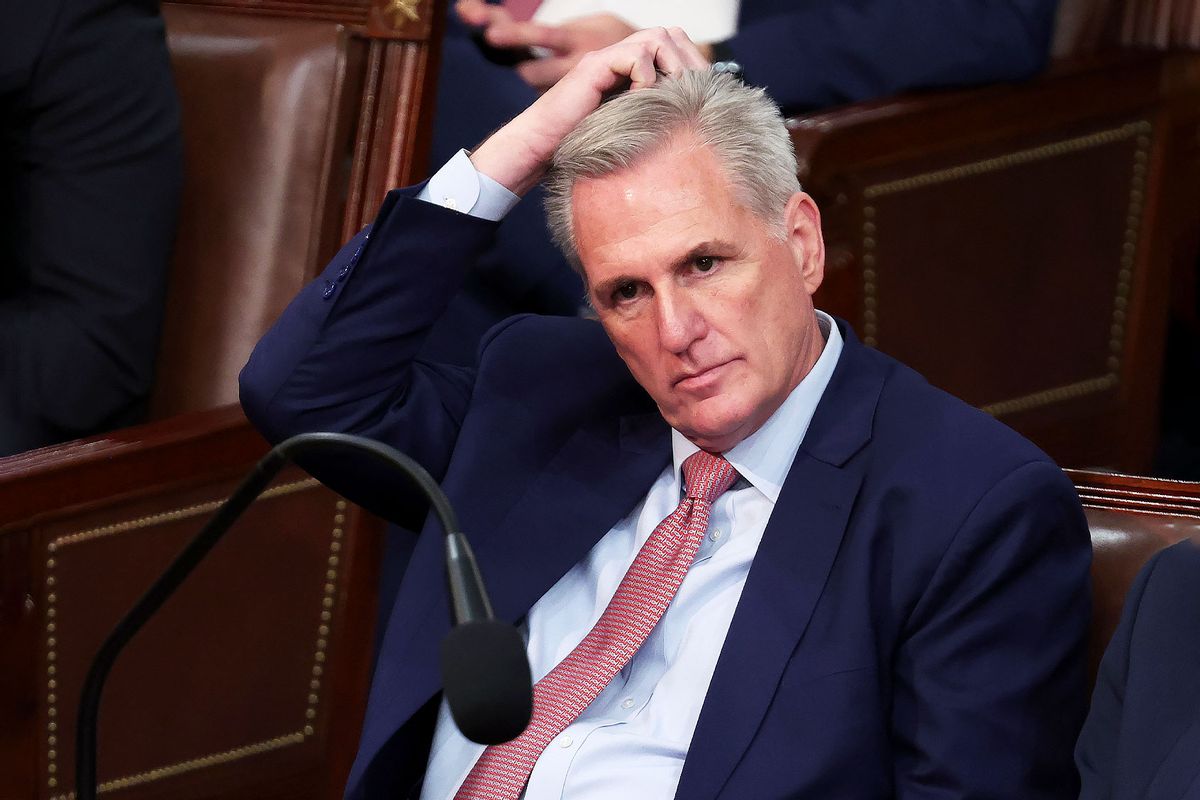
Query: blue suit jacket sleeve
{"points": [[343, 356], [818, 53], [990, 684], [1142, 735]]}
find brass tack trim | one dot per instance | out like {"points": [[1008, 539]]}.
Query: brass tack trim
{"points": [[1056, 395], [1026, 156], [1139, 131], [51, 642], [172, 516], [194, 764], [870, 322], [323, 628]]}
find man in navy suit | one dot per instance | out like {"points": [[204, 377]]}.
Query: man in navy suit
{"points": [[1142, 735], [892, 599]]}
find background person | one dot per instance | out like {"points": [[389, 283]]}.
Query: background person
{"points": [[90, 176]]}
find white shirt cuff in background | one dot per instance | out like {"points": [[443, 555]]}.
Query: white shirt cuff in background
{"points": [[458, 186]]}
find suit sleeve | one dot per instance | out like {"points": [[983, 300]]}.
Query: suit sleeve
{"points": [[343, 356], [97, 172], [1096, 751], [816, 53], [991, 671]]}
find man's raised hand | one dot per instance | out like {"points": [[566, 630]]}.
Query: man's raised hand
{"points": [[518, 154]]}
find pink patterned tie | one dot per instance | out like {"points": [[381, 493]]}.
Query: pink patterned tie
{"points": [[636, 607]]}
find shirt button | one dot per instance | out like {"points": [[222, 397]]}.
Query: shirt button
{"points": [[566, 741], [450, 203], [716, 534], [627, 702]]}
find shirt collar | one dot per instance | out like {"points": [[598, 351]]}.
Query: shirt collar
{"points": [[764, 457]]}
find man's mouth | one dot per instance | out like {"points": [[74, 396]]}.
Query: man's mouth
{"points": [[701, 379]]}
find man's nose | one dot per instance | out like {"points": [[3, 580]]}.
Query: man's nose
{"points": [[679, 321]]}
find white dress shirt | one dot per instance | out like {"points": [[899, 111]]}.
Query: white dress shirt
{"points": [[704, 20], [632, 740]]}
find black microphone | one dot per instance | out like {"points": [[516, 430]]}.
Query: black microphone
{"points": [[483, 659], [485, 672]]}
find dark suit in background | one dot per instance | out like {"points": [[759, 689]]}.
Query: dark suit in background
{"points": [[913, 624], [90, 175], [1141, 740]]}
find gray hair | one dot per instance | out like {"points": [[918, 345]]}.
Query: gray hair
{"points": [[742, 126]]}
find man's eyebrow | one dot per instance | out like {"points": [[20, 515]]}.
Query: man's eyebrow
{"points": [[607, 287], [712, 247]]}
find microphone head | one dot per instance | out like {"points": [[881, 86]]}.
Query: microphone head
{"points": [[485, 673]]}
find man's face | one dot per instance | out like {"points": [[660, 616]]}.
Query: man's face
{"points": [[711, 312]]}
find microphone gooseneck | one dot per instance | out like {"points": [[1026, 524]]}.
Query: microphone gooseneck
{"points": [[484, 668]]}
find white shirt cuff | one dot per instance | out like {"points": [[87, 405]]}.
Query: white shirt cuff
{"points": [[458, 186]]}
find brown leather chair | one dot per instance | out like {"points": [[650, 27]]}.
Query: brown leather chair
{"points": [[1014, 243], [1131, 518], [298, 116]]}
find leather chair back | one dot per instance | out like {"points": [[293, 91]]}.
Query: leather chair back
{"points": [[298, 116], [267, 110], [1131, 519]]}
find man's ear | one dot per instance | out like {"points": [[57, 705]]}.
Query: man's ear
{"points": [[802, 221]]}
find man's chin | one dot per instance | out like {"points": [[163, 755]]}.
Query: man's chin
{"points": [[716, 435]]}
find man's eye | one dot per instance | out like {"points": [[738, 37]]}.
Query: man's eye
{"points": [[704, 263], [626, 291]]}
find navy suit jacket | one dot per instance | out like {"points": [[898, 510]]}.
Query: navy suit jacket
{"points": [[912, 626], [1141, 740]]}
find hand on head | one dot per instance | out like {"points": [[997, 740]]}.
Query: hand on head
{"points": [[518, 154]]}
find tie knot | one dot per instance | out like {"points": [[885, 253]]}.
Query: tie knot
{"points": [[707, 476]]}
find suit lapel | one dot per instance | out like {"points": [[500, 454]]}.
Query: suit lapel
{"points": [[788, 574], [597, 477]]}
